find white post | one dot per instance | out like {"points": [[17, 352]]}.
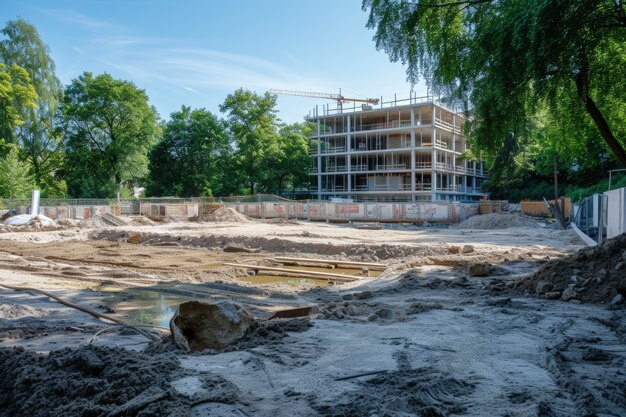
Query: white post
{"points": [[34, 203]]}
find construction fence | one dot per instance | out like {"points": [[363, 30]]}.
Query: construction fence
{"points": [[416, 212], [265, 208], [539, 208]]}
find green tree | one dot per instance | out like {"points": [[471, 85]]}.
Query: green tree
{"points": [[252, 123], [290, 169], [17, 97], [507, 59], [37, 137], [109, 129], [15, 179], [191, 158]]}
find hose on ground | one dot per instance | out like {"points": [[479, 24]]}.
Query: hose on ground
{"points": [[81, 308]]}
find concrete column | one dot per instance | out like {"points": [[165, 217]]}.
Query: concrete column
{"points": [[434, 171], [349, 155], [412, 147], [319, 160]]}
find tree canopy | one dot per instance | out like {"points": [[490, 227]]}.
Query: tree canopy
{"points": [[191, 159], [38, 140], [252, 124], [109, 128], [17, 97], [510, 60]]}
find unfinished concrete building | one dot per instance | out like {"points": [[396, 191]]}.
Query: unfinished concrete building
{"points": [[401, 150]]}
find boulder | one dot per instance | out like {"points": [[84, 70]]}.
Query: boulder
{"points": [[216, 324], [467, 249], [480, 269], [454, 249], [569, 294], [135, 238], [618, 299]]}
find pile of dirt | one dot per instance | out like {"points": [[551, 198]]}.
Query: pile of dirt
{"points": [[14, 311], [99, 381], [94, 222], [368, 253], [595, 274], [496, 221], [225, 214]]}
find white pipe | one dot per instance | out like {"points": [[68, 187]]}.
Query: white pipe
{"points": [[34, 203]]}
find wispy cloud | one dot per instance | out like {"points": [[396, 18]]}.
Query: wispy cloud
{"points": [[76, 18], [160, 60]]}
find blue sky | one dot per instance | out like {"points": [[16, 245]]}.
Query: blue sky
{"points": [[194, 52]]}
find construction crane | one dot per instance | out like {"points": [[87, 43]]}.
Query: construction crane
{"points": [[337, 97]]}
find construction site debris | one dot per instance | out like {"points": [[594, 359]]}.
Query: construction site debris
{"points": [[480, 269], [298, 272], [496, 221], [237, 249], [335, 262], [200, 325], [28, 219], [224, 214], [134, 238], [295, 312], [599, 271]]}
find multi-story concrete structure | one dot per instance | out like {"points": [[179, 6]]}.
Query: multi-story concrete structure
{"points": [[403, 150]]}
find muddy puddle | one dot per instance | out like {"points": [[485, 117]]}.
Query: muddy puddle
{"points": [[295, 281], [143, 306]]}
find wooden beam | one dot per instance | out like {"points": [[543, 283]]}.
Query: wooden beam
{"points": [[322, 275], [329, 261]]}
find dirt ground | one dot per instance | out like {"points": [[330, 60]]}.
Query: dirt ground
{"points": [[451, 326]]}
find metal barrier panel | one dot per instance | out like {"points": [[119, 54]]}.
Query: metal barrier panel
{"points": [[427, 211], [616, 212]]}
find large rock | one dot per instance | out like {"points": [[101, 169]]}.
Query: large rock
{"points": [[569, 294], [482, 269], [199, 325]]}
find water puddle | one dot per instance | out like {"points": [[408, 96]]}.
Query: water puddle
{"points": [[295, 281], [144, 307]]}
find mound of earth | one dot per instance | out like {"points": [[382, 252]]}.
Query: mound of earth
{"points": [[496, 221], [86, 381], [14, 311], [595, 274], [225, 214]]}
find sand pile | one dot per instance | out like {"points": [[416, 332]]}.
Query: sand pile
{"points": [[496, 221], [595, 274], [225, 214]]}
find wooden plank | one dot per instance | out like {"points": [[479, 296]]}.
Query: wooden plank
{"points": [[323, 275], [329, 261]]}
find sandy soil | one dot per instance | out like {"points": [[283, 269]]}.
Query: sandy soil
{"points": [[424, 338]]}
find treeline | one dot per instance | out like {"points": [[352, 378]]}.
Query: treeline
{"points": [[100, 136]]}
